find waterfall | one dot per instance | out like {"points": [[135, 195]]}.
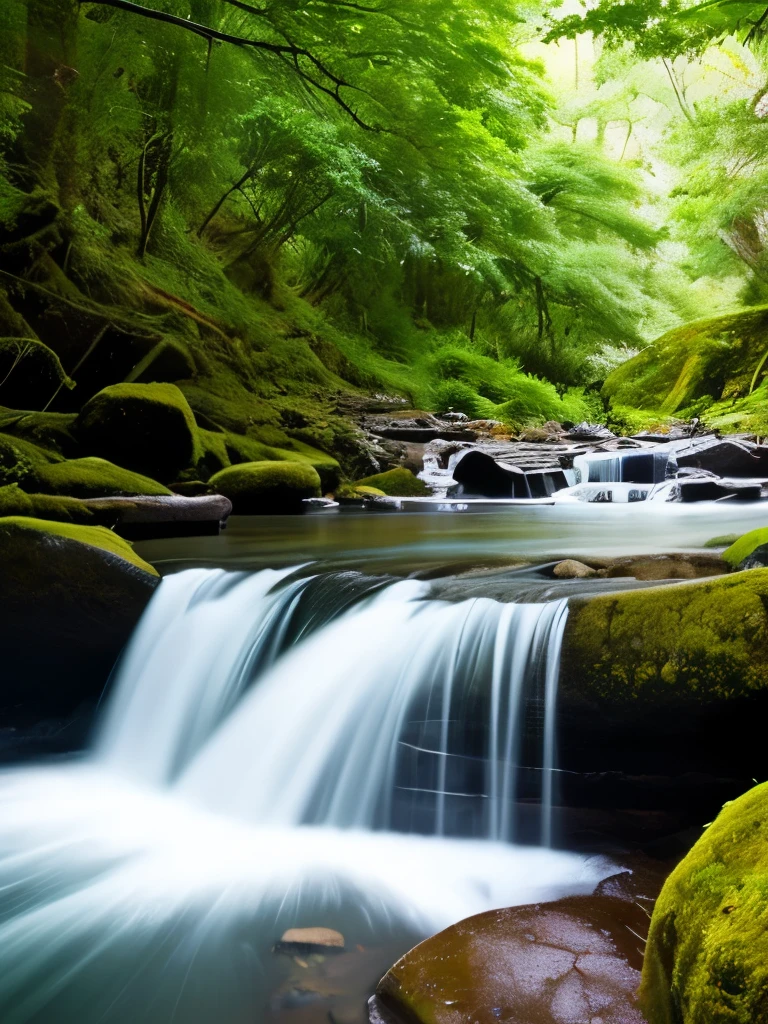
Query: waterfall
{"points": [[637, 467], [185, 712], [269, 742]]}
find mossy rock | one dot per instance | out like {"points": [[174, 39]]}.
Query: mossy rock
{"points": [[95, 536], [706, 959], [749, 551], [50, 431], [397, 483], [92, 478], [690, 642], [20, 461], [80, 588], [16, 502], [357, 492], [704, 362], [147, 428], [263, 488], [238, 449]]}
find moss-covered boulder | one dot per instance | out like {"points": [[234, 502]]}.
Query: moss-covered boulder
{"points": [[749, 551], [263, 488], [16, 502], [148, 428], [92, 478], [698, 641], [713, 365], [706, 959], [81, 588], [397, 483]]}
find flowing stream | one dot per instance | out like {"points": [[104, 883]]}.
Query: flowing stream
{"points": [[279, 750]]}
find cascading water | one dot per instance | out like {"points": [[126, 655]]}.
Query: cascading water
{"points": [[267, 737]]}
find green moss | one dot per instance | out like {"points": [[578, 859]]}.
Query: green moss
{"points": [[16, 502], [257, 488], [694, 641], [50, 431], [214, 454], [722, 542], [708, 361], [706, 959], [94, 536], [93, 478], [148, 428], [745, 546], [398, 483], [356, 492], [20, 460]]}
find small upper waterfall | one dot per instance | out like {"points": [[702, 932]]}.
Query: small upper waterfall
{"points": [[279, 749]]}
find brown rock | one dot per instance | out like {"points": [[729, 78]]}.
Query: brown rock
{"points": [[570, 569], [567, 962]]}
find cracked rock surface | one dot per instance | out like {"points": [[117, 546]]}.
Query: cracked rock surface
{"points": [[573, 961]]}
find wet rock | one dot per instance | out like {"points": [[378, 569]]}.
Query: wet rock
{"points": [[81, 587], [420, 428], [726, 458], [539, 435], [310, 940], [567, 962], [594, 432], [319, 504], [143, 518], [711, 488], [570, 569], [708, 943]]}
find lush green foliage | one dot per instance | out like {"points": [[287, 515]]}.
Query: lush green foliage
{"points": [[383, 175]]}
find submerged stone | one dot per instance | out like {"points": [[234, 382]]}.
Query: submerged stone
{"points": [[310, 940], [707, 952], [573, 961]]}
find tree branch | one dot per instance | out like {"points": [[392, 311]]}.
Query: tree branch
{"points": [[285, 51]]}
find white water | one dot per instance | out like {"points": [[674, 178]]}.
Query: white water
{"points": [[238, 788]]}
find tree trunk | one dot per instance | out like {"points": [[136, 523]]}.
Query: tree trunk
{"points": [[48, 138]]}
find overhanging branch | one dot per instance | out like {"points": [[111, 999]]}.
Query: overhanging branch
{"points": [[286, 51]]}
